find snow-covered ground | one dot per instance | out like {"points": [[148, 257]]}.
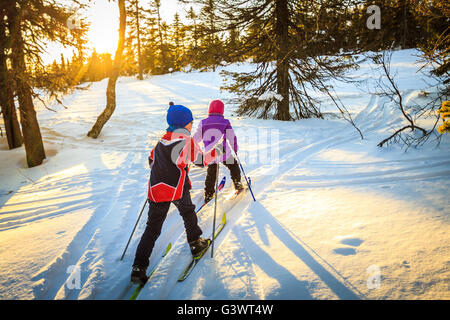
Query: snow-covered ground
{"points": [[336, 217]]}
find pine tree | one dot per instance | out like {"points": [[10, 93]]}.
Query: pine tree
{"points": [[133, 45], [285, 40], [30, 25], [400, 26], [193, 40], [106, 65], [63, 64], [162, 60], [232, 45], [211, 46], [433, 17], [93, 66], [32, 138], [178, 39], [138, 35]]}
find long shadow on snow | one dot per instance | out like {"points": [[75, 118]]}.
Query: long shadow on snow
{"points": [[297, 289], [262, 218]]}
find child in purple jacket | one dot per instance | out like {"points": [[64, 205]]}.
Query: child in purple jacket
{"points": [[210, 131]]}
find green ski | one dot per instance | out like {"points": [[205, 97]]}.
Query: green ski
{"points": [[195, 260], [139, 288]]}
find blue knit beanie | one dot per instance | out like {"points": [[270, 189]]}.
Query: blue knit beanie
{"points": [[178, 116]]}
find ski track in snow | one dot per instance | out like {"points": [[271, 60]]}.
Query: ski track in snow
{"points": [[262, 253], [291, 157], [87, 248], [82, 245]]}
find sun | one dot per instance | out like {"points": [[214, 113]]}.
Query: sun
{"points": [[104, 24], [103, 16]]}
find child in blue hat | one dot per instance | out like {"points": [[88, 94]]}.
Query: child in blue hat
{"points": [[169, 183]]}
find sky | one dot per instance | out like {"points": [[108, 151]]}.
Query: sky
{"points": [[103, 16]]}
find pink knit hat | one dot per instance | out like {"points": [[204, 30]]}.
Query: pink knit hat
{"points": [[216, 106]]}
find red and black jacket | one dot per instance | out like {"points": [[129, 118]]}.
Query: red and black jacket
{"points": [[169, 161]]}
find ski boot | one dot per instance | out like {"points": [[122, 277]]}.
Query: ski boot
{"points": [[139, 275], [199, 246], [238, 187]]}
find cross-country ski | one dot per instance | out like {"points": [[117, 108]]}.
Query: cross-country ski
{"points": [[196, 259], [140, 286]]}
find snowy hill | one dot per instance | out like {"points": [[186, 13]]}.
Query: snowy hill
{"points": [[336, 217]]}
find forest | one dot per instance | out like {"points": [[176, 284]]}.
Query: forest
{"points": [[295, 47]]}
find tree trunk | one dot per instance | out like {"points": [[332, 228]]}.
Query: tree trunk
{"points": [[111, 89], [282, 42], [12, 128], [140, 77], [32, 138]]}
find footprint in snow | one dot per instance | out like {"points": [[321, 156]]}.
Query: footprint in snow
{"points": [[345, 251], [354, 242]]}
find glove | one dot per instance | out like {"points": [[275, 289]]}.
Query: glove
{"points": [[219, 151]]}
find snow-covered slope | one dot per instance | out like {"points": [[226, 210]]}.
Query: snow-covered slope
{"points": [[336, 217]]}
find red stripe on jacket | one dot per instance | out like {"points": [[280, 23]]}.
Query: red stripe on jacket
{"points": [[169, 175]]}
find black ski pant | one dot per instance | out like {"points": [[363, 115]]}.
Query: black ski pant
{"points": [[210, 181], [156, 215]]}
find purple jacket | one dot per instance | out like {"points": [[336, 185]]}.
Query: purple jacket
{"points": [[212, 129]]}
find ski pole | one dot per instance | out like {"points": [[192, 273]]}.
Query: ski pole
{"points": [[242, 168], [215, 209], [246, 180], [140, 214]]}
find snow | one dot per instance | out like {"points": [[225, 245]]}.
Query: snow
{"points": [[336, 217], [269, 95]]}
